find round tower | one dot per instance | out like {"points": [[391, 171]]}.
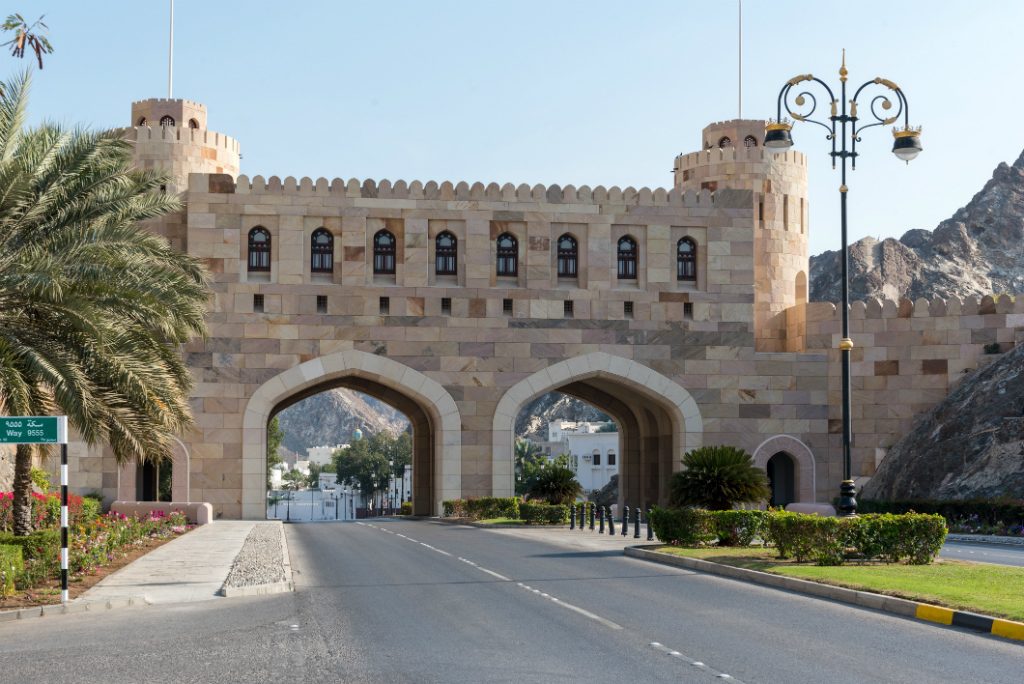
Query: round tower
{"points": [[732, 158], [171, 136]]}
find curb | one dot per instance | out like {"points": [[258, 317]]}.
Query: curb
{"points": [[76, 606], [865, 599]]}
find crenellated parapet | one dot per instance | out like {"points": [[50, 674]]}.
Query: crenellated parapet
{"points": [[935, 307], [185, 136], [464, 191]]}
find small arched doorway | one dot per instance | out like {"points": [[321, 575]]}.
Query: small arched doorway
{"points": [[781, 471]]}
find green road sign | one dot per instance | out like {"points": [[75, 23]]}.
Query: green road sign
{"points": [[33, 430]]}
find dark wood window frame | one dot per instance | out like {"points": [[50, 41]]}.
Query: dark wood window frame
{"points": [[321, 251], [446, 254], [385, 248], [507, 251], [568, 253], [686, 260], [627, 257], [259, 250]]}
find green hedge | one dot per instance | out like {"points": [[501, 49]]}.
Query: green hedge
{"points": [[11, 568], [482, 508], [492, 507], [406, 508], [987, 512], [40, 552], [543, 513], [914, 538]]}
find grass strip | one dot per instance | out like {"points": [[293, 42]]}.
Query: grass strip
{"points": [[995, 590]]}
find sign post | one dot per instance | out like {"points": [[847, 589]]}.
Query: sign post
{"points": [[45, 430]]}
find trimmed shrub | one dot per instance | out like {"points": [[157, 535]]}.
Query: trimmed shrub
{"points": [[543, 514], [454, 508], [999, 516], [738, 528], [11, 568], [492, 507], [682, 526], [406, 508]]}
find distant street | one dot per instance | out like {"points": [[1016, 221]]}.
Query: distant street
{"points": [[408, 601], [984, 553]]}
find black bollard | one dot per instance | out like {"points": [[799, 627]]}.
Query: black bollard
{"points": [[572, 517], [611, 522], [625, 520], [650, 530], [636, 524], [600, 517], [583, 516], [591, 517]]}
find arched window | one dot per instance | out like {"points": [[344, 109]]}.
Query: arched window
{"points": [[446, 252], [750, 141], [142, 121], [686, 259], [724, 142], [611, 458], [166, 120], [508, 255], [192, 123], [321, 248], [259, 250], [781, 473], [627, 258], [384, 253], [568, 256]]}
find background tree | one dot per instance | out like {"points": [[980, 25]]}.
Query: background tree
{"points": [[26, 36], [363, 463], [92, 307], [275, 435], [528, 460], [314, 475], [556, 484], [717, 478], [402, 459]]}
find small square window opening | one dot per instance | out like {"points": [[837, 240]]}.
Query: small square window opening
{"points": [[257, 303], [385, 306]]}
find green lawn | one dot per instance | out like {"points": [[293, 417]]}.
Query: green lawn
{"points": [[509, 521], [995, 590]]}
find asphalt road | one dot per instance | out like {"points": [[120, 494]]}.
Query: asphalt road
{"points": [[408, 601], [1008, 554]]}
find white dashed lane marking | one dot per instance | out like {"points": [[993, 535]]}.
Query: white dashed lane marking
{"points": [[694, 663]]}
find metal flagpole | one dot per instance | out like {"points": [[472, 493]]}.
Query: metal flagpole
{"points": [[740, 62], [170, 57]]}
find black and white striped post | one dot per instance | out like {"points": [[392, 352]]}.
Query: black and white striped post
{"points": [[45, 430]]}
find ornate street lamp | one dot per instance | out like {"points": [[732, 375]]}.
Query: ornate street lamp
{"points": [[844, 131]]}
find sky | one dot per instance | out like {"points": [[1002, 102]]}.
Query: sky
{"points": [[581, 92]]}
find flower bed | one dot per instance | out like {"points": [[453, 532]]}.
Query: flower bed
{"points": [[94, 539]]}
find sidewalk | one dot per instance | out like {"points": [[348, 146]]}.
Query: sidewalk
{"points": [[190, 568]]}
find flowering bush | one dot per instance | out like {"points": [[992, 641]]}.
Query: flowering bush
{"points": [[46, 510]]}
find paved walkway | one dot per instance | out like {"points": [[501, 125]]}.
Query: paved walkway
{"points": [[190, 568]]}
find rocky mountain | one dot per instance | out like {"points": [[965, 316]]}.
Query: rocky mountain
{"points": [[532, 421], [971, 446], [330, 418], [979, 251]]}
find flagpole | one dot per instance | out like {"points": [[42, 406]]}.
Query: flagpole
{"points": [[170, 57]]}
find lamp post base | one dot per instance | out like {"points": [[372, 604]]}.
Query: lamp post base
{"points": [[847, 500]]}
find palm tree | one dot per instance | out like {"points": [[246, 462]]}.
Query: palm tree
{"points": [[92, 307], [716, 477], [555, 484]]}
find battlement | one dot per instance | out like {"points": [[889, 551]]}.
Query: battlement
{"points": [[921, 308], [169, 101], [738, 154], [185, 136], [432, 190]]}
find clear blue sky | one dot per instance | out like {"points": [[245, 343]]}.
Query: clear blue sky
{"points": [[582, 92]]}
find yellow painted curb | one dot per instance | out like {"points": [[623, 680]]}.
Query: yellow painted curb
{"points": [[935, 614], [1008, 629]]}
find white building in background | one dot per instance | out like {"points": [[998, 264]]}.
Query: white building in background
{"points": [[323, 455], [328, 481], [302, 467], [277, 475], [595, 455]]}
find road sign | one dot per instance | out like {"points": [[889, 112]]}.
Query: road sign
{"points": [[33, 430]]}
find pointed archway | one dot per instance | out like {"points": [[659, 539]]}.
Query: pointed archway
{"points": [[437, 437], [659, 420]]}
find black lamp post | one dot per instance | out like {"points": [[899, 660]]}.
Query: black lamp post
{"points": [[844, 131]]}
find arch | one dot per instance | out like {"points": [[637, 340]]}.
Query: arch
{"points": [[193, 123], [167, 120], [507, 253], [321, 251], [806, 482], [437, 458], [384, 250], [724, 142], [446, 254], [686, 259], [568, 253], [259, 250], [750, 141], [781, 470], [609, 382], [142, 121], [627, 258], [800, 290]]}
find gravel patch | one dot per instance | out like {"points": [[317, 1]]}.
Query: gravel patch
{"points": [[261, 560]]}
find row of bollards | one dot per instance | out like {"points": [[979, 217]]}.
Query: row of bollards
{"points": [[601, 513]]}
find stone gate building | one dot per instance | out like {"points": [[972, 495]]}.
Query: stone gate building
{"points": [[682, 313]]}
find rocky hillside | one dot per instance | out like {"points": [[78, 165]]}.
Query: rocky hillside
{"points": [[971, 446], [330, 418], [979, 251], [532, 422]]}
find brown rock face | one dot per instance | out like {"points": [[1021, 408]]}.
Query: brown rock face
{"points": [[979, 251], [971, 446]]}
